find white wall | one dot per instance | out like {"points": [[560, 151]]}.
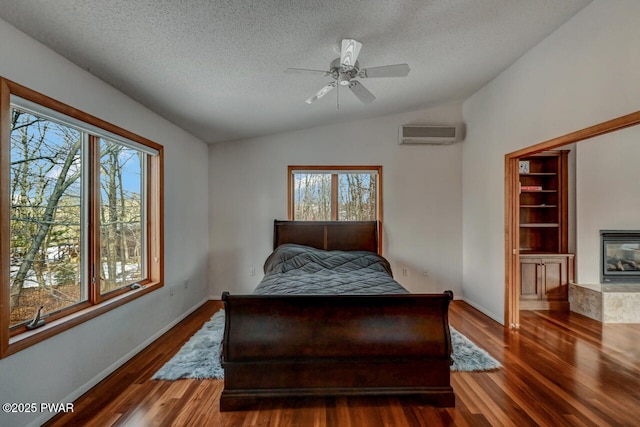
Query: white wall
{"points": [[63, 367], [582, 74], [608, 195], [421, 191]]}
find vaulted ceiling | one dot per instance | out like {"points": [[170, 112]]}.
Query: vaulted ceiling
{"points": [[215, 68]]}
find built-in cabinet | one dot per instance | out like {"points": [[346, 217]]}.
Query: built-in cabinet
{"points": [[546, 269], [544, 281]]}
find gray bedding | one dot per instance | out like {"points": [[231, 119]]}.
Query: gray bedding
{"points": [[297, 269]]}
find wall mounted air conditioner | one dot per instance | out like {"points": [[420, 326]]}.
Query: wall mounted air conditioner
{"points": [[427, 135]]}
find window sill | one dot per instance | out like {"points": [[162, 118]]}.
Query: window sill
{"points": [[26, 339]]}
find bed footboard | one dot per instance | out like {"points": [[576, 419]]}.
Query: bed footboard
{"points": [[301, 345]]}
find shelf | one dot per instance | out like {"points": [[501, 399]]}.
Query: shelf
{"points": [[542, 203]]}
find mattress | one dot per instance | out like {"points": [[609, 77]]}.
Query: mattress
{"points": [[295, 269]]}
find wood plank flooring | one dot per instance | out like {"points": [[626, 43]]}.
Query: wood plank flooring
{"points": [[559, 369]]}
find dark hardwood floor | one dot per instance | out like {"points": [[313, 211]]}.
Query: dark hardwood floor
{"points": [[558, 370]]}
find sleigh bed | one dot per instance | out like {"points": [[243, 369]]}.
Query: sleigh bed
{"points": [[329, 320]]}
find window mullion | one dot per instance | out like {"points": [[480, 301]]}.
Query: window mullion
{"points": [[85, 223], [334, 197], [94, 219]]}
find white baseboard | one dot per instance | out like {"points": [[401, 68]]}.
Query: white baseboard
{"points": [[124, 359], [484, 311]]}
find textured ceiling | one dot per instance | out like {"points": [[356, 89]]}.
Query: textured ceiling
{"points": [[215, 68]]}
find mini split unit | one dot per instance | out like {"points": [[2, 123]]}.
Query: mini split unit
{"points": [[427, 135]]}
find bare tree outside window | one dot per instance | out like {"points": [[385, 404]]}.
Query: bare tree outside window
{"points": [[121, 227], [47, 204], [312, 197], [335, 195], [356, 197], [46, 232]]}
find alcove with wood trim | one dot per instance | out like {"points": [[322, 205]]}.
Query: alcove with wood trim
{"points": [[512, 204]]}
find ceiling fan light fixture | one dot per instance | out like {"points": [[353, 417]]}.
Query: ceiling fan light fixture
{"points": [[345, 69]]}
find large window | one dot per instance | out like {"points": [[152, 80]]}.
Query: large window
{"points": [[335, 193], [80, 215]]}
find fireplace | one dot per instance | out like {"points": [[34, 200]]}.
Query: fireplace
{"points": [[620, 256]]}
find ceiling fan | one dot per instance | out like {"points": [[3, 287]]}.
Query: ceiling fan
{"points": [[346, 69]]}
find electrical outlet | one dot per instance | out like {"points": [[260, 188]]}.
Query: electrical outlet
{"points": [[425, 273], [171, 290], [405, 271], [252, 271]]}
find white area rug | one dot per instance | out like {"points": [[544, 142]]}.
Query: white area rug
{"points": [[468, 357], [200, 356]]}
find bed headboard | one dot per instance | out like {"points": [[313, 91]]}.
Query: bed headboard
{"points": [[328, 235]]}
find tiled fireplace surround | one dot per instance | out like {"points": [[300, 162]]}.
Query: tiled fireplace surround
{"points": [[607, 302], [621, 305]]}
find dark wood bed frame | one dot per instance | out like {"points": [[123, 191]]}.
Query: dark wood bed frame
{"points": [[339, 345]]}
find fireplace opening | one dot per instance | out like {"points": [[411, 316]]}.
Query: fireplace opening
{"points": [[620, 256]]}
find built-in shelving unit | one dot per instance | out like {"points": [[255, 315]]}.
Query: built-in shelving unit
{"points": [[545, 268], [543, 203]]}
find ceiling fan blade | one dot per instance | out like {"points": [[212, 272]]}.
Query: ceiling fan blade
{"points": [[322, 92], [397, 70], [306, 71], [361, 92], [350, 51]]}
